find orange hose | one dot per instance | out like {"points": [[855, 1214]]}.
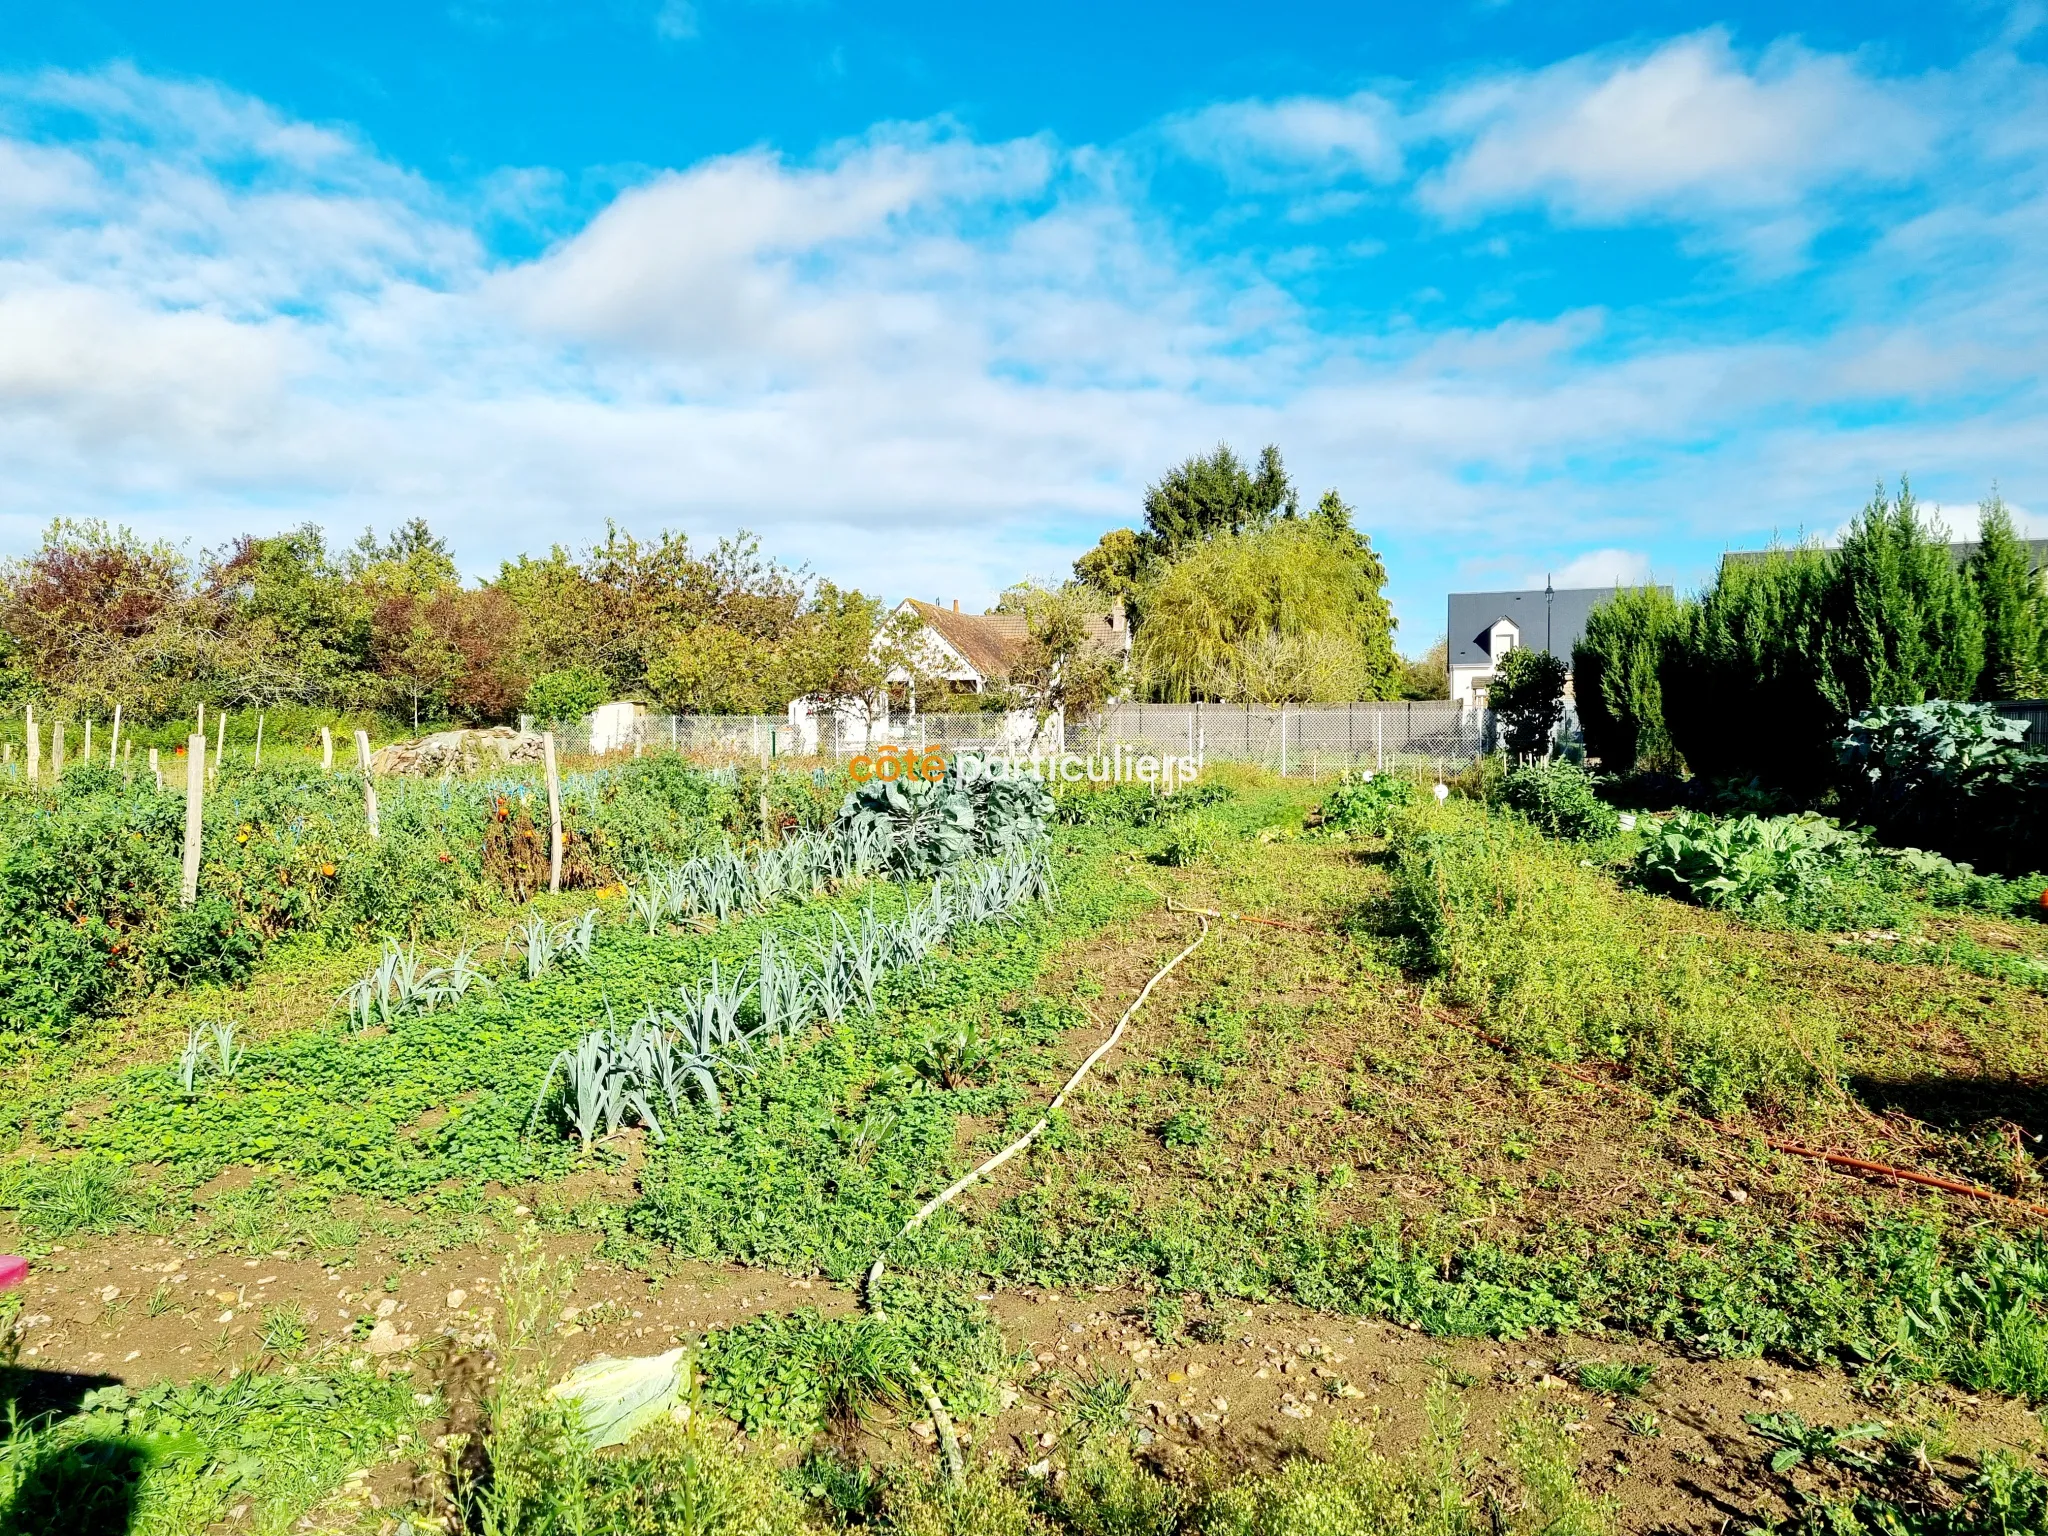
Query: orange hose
{"points": [[1886, 1170]]}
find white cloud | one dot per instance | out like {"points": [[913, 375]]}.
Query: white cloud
{"points": [[1262, 144], [1598, 568], [1686, 130], [922, 362]]}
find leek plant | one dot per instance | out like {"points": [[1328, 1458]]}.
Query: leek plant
{"points": [[401, 983], [540, 945], [671, 1055], [213, 1042]]}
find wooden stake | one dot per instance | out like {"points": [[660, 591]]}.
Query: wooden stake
{"points": [[86, 755], [35, 746], [369, 782], [258, 763], [195, 805], [156, 770], [326, 750], [114, 740], [220, 741], [57, 751], [547, 749]]}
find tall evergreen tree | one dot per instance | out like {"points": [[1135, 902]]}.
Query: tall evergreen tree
{"points": [[2009, 595], [1902, 624], [1205, 497], [1742, 694], [1615, 678]]}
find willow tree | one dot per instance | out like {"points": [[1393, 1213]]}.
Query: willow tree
{"points": [[1289, 613]]}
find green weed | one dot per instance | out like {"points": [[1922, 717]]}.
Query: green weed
{"points": [[1552, 959], [1605, 1379], [168, 1460]]}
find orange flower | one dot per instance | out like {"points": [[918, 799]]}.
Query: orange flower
{"points": [[326, 869]]}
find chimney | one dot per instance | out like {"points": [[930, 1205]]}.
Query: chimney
{"points": [[1116, 614], [956, 605]]}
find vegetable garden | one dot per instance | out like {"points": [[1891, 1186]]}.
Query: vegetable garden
{"points": [[1466, 1176]]}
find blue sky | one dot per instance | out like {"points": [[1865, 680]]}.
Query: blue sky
{"points": [[925, 295]]}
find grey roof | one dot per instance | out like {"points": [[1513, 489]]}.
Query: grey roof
{"points": [[1472, 616], [2037, 553]]}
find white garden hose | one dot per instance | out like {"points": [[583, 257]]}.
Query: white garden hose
{"points": [[941, 1420], [945, 1196]]}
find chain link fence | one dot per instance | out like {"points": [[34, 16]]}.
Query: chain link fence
{"points": [[1426, 735], [1421, 735]]}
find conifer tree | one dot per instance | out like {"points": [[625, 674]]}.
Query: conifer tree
{"points": [[2009, 595], [1902, 623]]}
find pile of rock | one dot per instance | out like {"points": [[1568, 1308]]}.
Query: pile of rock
{"points": [[447, 753]]}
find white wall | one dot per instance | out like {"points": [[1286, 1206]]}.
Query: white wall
{"points": [[1462, 679]]}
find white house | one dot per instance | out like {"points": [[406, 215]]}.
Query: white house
{"points": [[1484, 626], [965, 653]]}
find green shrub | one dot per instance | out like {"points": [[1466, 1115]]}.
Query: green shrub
{"points": [[1527, 698], [208, 941], [1190, 839], [1558, 797], [1361, 803], [1615, 678], [567, 694], [1131, 805]]}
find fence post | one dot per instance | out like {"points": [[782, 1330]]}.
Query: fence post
{"points": [[554, 777], [35, 746], [57, 751], [195, 806], [326, 750], [369, 782], [1283, 741], [1379, 761], [258, 763], [114, 740], [220, 741]]}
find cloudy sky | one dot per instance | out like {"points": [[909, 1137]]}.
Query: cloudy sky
{"points": [[925, 296]]}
